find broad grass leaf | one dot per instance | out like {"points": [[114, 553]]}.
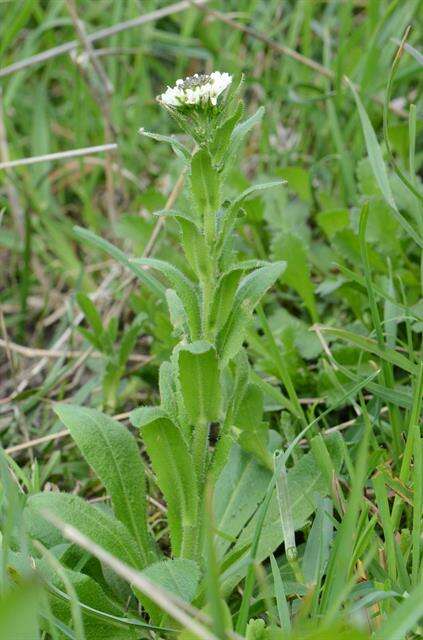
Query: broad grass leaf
{"points": [[305, 483], [404, 618], [367, 344], [174, 467], [317, 549], [98, 525], [178, 576], [110, 449], [200, 381], [183, 287], [94, 240], [376, 160], [291, 248]]}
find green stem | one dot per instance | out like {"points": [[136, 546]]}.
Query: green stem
{"points": [[189, 547], [200, 442], [207, 289]]}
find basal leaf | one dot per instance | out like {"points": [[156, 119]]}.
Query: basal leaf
{"points": [[112, 452], [305, 481], [102, 617], [101, 527], [19, 612], [239, 490], [178, 576]]}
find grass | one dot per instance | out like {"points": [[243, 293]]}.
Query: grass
{"points": [[330, 375]]}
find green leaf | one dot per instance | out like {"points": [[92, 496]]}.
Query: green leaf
{"points": [[102, 617], [200, 381], [404, 617], [183, 286], [98, 525], [112, 452], [177, 314], [205, 183], [178, 148], [333, 220], [232, 210], [248, 295], [317, 548], [239, 490], [91, 238], [376, 160], [223, 134], [305, 482], [249, 419], [255, 284], [254, 441], [227, 286], [385, 353], [243, 128], [129, 339], [19, 612], [89, 309], [250, 410], [193, 243], [168, 390], [178, 576], [298, 180], [174, 467], [291, 248]]}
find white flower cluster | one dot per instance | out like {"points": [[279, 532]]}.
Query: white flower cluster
{"points": [[195, 90]]}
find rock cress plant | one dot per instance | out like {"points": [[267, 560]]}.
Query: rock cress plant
{"points": [[207, 378], [207, 381]]}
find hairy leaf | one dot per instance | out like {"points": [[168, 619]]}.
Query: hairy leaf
{"points": [[173, 464], [199, 379], [111, 451]]}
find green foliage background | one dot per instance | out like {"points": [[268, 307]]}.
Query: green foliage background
{"points": [[335, 344]]}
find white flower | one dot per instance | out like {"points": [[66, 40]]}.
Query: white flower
{"points": [[196, 90]]}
